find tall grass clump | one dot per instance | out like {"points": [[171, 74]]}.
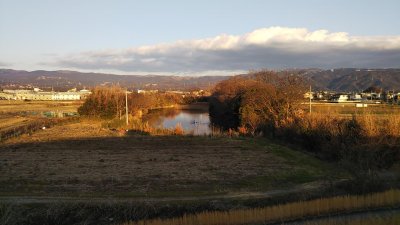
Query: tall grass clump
{"points": [[286, 212]]}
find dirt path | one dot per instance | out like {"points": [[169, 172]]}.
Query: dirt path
{"points": [[308, 187]]}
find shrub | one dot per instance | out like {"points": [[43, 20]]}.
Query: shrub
{"points": [[178, 129]]}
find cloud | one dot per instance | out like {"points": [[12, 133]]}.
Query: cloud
{"points": [[274, 47]]}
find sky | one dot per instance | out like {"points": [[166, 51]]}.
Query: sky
{"points": [[198, 37]]}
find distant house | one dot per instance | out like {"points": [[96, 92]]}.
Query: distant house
{"points": [[356, 98], [372, 96], [340, 98], [309, 95], [140, 91]]}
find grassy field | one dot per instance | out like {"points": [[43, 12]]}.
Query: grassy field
{"points": [[84, 159], [17, 117], [8, 122], [17, 107]]}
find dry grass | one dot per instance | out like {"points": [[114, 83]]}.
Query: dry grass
{"points": [[178, 130], [9, 107], [384, 128], [370, 140], [371, 125], [348, 109], [19, 117], [290, 211], [375, 126], [85, 128], [375, 120], [387, 220], [8, 122], [30, 126]]}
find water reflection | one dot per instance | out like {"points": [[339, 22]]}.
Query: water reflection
{"points": [[196, 122]]}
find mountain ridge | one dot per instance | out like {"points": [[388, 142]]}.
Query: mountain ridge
{"points": [[340, 79], [65, 79]]}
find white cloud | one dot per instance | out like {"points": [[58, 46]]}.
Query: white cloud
{"points": [[274, 47]]}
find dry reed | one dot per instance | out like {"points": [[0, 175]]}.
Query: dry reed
{"points": [[370, 220], [279, 213], [178, 129]]}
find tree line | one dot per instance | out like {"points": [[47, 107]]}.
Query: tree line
{"points": [[109, 102]]}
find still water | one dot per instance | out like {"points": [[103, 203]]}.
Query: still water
{"points": [[196, 122]]}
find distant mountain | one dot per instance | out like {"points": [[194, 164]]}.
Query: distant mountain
{"points": [[350, 79], [63, 80], [345, 79]]}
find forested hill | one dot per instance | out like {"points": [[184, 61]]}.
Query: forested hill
{"points": [[350, 79]]}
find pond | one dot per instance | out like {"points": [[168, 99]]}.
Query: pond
{"points": [[193, 121]]}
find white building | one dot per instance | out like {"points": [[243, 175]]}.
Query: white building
{"points": [[340, 98], [66, 96], [42, 95], [356, 98]]}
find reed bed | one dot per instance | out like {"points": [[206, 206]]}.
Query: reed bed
{"points": [[371, 220], [367, 125], [349, 109], [368, 138], [286, 212]]}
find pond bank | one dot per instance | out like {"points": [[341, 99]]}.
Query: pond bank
{"points": [[195, 106]]}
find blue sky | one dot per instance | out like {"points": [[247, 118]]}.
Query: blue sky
{"points": [[104, 35]]}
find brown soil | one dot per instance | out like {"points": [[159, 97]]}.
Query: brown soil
{"points": [[84, 159]]}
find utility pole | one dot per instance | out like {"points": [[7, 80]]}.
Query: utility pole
{"points": [[371, 94], [393, 97], [310, 98], [126, 107]]}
